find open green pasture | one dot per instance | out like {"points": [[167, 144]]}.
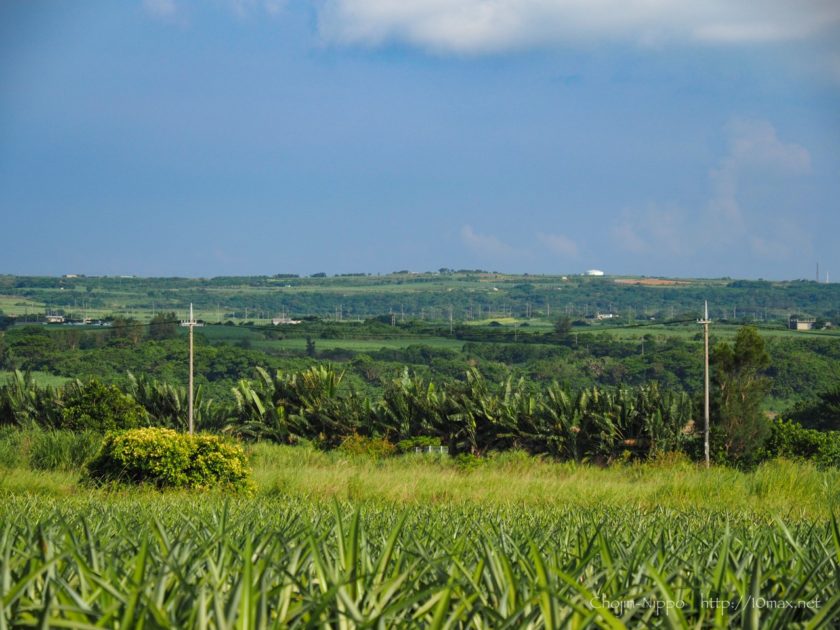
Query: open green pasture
{"points": [[18, 305], [387, 288], [362, 345], [257, 338], [525, 324], [230, 334], [40, 378], [687, 331]]}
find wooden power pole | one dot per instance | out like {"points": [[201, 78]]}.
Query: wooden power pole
{"points": [[191, 324], [705, 323]]}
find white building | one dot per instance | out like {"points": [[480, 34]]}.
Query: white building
{"points": [[802, 324], [284, 321], [593, 272]]}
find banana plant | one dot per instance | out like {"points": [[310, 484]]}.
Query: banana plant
{"points": [[287, 407], [412, 406], [24, 402], [555, 426], [168, 405], [482, 417]]}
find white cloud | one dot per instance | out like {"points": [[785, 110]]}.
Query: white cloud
{"points": [[626, 235], [755, 155], [476, 26], [173, 11], [756, 142], [248, 8], [274, 7], [784, 240], [558, 244], [485, 244], [655, 230], [753, 145], [165, 9]]}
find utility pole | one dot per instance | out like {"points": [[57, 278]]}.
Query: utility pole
{"points": [[705, 323], [191, 324]]}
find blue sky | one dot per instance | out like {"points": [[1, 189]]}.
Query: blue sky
{"points": [[177, 137]]}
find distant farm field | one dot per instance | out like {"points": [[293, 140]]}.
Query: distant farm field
{"points": [[718, 329], [363, 345], [18, 305], [40, 378]]}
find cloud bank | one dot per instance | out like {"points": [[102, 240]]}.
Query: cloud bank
{"points": [[164, 9], [172, 11], [754, 152], [485, 245], [558, 244], [477, 26]]}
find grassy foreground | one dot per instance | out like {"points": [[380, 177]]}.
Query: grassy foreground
{"points": [[332, 540], [49, 463], [777, 488]]}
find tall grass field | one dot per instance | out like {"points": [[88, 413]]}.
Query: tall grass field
{"points": [[336, 540]]}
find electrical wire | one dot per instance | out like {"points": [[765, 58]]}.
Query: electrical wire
{"points": [[600, 328]]}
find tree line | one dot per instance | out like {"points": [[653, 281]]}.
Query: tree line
{"points": [[473, 415]]}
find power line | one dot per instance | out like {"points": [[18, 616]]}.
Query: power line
{"points": [[107, 328], [60, 328]]}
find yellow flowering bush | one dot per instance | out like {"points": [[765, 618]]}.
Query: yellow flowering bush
{"points": [[168, 459]]}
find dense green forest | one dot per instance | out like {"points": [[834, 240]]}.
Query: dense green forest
{"points": [[372, 353]]}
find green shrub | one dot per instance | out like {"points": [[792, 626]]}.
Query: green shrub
{"points": [[367, 446], [167, 459], [829, 454], [468, 461], [792, 440], [98, 407], [670, 460], [422, 441]]}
